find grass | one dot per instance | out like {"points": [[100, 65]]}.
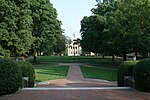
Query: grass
{"points": [[46, 67], [92, 61], [50, 72], [99, 73]]}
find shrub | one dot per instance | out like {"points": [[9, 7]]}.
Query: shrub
{"points": [[27, 71], [10, 77], [125, 69], [142, 75]]}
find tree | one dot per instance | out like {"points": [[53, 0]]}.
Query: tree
{"points": [[125, 23], [15, 26], [7, 24], [60, 44], [45, 26], [92, 30], [123, 27], [140, 18], [97, 27], [28, 25], [24, 24]]}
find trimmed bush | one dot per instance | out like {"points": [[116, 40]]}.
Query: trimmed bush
{"points": [[27, 71], [10, 77], [142, 75], [125, 69]]}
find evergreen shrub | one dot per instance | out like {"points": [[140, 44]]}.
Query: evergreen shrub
{"points": [[125, 69], [10, 77]]}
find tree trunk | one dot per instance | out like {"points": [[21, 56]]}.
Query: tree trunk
{"points": [[34, 59], [113, 57], [16, 58], [136, 55], [103, 57], [40, 53], [124, 57]]}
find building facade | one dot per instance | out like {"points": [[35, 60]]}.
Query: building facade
{"points": [[74, 48]]}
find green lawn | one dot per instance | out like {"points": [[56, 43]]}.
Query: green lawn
{"points": [[46, 67], [92, 61], [99, 73], [50, 72]]}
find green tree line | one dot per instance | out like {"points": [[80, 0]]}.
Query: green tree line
{"points": [[28, 27], [117, 27]]}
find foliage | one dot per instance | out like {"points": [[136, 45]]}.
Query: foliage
{"points": [[15, 26], [10, 77], [125, 69], [122, 29], [4, 53], [142, 75], [120, 25], [27, 71], [46, 27], [60, 44], [27, 25], [92, 34]]}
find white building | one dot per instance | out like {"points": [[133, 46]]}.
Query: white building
{"points": [[74, 49]]}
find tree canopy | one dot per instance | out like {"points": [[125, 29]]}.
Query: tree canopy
{"points": [[15, 26], [28, 26], [124, 27]]}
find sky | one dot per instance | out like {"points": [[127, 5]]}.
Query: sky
{"points": [[71, 12]]}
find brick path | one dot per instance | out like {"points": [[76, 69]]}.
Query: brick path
{"points": [[75, 79], [74, 73], [78, 95]]}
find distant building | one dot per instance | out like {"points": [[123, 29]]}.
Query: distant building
{"points": [[74, 48]]}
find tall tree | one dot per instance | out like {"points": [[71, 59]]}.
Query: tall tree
{"points": [[126, 27], [92, 30], [45, 26], [15, 26], [97, 27], [60, 44], [24, 24]]}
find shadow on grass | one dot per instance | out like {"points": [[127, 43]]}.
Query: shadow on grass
{"points": [[50, 72], [93, 61], [46, 66], [99, 73]]}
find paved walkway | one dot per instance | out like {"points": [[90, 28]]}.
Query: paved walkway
{"points": [[75, 87], [74, 73], [76, 79], [78, 95]]}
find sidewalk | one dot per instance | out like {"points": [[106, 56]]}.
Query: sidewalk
{"points": [[76, 87], [76, 79], [74, 73], [78, 95]]}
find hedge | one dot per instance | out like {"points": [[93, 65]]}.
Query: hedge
{"points": [[10, 77], [142, 75], [27, 71], [125, 69]]}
